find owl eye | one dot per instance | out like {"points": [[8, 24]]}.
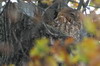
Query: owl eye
{"points": [[72, 14]]}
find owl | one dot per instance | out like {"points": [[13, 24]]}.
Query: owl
{"points": [[68, 21]]}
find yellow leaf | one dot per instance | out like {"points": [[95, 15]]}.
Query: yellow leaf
{"points": [[75, 59], [59, 58], [30, 63], [89, 25], [42, 42], [49, 2], [97, 2], [76, 4], [95, 61], [50, 61], [68, 41], [34, 52], [41, 48], [11, 64], [89, 47]]}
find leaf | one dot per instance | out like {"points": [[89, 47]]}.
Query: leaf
{"points": [[49, 2], [30, 63], [40, 49], [89, 25], [11, 64], [41, 43], [91, 4], [83, 58], [78, 56], [95, 61], [88, 47], [50, 61], [75, 59], [35, 63], [96, 2], [34, 52], [68, 41], [75, 4], [59, 53]]}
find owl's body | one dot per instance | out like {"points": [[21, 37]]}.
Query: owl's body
{"points": [[68, 21]]}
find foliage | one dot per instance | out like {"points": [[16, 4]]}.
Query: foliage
{"points": [[87, 51]]}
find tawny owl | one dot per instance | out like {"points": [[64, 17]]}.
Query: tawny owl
{"points": [[68, 21]]}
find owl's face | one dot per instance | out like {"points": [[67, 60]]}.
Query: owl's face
{"points": [[68, 21], [67, 15]]}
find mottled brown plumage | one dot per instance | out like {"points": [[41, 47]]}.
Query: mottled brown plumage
{"points": [[68, 21]]}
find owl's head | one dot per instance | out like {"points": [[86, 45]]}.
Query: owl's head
{"points": [[68, 15]]}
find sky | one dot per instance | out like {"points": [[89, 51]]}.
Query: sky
{"points": [[13, 0]]}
